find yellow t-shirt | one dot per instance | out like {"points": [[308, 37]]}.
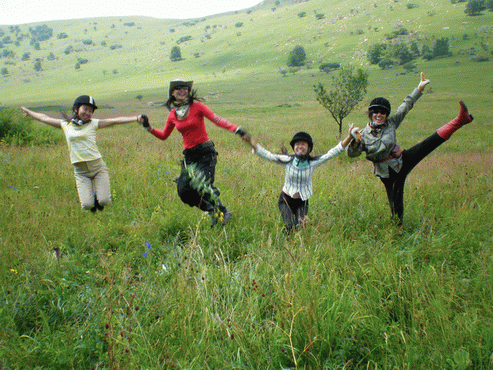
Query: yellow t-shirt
{"points": [[81, 141]]}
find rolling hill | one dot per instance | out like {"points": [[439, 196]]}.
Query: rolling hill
{"points": [[109, 56]]}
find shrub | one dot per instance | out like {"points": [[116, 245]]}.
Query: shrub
{"points": [[409, 66], [480, 58], [37, 65], [319, 16], [474, 7], [297, 57], [15, 130], [327, 67], [441, 48], [400, 31], [385, 63], [375, 52], [183, 39], [175, 54], [41, 33], [239, 24], [87, 42], [301, 14]]}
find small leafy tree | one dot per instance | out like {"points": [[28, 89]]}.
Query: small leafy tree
{"points": [[409, 66], [375, 52], [175, 54], [327, 67], [474, 7], [441, 48], [297, 57], [349, 87], [415, 49], [4, 71], [37, 65]]}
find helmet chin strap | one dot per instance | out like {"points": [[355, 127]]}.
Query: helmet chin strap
{"points": [[77, 121]]}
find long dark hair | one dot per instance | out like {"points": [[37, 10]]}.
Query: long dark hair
{"points": [[192, 96]]}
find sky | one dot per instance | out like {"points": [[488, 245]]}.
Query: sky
{"points": [[14, 12]]}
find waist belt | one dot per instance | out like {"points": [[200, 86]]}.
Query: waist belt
{"points": [[396, 152]]}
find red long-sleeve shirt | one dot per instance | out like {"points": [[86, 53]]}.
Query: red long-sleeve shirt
{"points": [[192, 127]]}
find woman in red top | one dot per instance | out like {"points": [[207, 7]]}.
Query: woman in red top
{"points": [[195, 184]]}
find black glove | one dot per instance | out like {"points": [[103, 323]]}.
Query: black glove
{"points": [[145, 124], [240, 132]]}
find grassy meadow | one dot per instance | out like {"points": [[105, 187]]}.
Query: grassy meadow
{"points": [[148, 284]]}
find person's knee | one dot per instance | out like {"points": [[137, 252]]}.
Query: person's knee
{"points": [[87, 204], [105, 200]]}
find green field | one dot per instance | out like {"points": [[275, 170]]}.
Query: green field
{"points": [[147, 284]]}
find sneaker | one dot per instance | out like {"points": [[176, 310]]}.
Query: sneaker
{"points": [[97, 206], [227, 216]]}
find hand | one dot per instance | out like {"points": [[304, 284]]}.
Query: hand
{"points": [[240, 132], [25, 110], [144, 121], [423, 82], [354, 133]]}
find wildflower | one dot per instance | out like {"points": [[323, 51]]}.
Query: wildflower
{"points": [[149, 246], [136, 308], [144, 254], [13, 271]]}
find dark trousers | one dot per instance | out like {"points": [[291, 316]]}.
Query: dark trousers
{"points": [[195, 184], [394, 184], [293, 211]]}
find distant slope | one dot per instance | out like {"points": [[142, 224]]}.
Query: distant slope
{"points": [[106, 55]]}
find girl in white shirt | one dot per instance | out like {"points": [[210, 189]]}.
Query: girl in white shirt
{"points": [[91, 173]]}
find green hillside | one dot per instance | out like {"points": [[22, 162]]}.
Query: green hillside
{"points": [[132, 54]]}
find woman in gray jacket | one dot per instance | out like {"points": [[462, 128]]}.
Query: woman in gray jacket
{"points": [[378, 140]]}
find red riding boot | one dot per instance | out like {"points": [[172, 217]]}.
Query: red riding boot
{"points": [[462, 119]]}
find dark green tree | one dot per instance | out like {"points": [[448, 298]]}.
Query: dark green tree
{"points": [[415, 49], [348, 88], [175, 54], [375, 53], [441, 48], [37, 65], [297, 57], [474, 7]]}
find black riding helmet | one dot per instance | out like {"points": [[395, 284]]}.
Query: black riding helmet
{"points": [[302, 136], [84, 100], [380, 103]]}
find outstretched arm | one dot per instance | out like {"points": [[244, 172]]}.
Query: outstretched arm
{"points": [[41, 117], [107, 122]]}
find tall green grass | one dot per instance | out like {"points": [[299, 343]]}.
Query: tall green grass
{"points": [[148, 284]]}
